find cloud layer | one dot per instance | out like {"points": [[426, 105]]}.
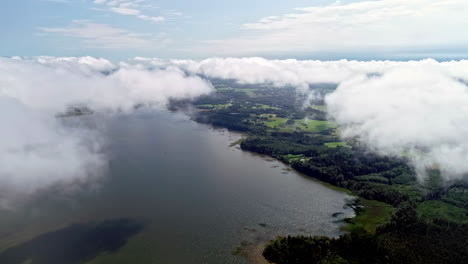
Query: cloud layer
{"points": [[414, 109], [37, 151]]}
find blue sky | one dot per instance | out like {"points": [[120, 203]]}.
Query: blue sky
{"points": [[321, 29]]}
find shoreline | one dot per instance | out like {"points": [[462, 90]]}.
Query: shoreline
{"points": [[254, 252]]}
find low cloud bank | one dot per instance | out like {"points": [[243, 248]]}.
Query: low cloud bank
{"points": [[420, 112], [415, 109], [37, 150], [53, 83], [294, 72]]}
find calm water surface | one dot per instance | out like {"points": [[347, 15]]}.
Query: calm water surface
{"points": [[199, 198]]}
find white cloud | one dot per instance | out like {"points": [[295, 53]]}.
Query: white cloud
{"points": [[154, 19], [125, 11], [37, 151], [131, 8], [102, 36], [384, 26], [94, 82], [418, 110]]}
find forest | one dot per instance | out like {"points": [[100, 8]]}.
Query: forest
{"points": [[422, 222]]}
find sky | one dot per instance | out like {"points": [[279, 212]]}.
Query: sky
{"points": [[302, 29]]}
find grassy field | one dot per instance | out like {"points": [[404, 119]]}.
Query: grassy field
{"points": [[249, 92], [276, 122], [313, 126], [336, 144], [304, 125], [372, 215], [439, 209], [291, 157]]}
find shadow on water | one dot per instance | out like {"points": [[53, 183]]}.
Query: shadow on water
{"points": [[75, 244]]}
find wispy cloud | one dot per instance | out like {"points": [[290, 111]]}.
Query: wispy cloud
{"points": [[367, 25], [129, 8], [150, 18], [125, 11], [103, 36]]}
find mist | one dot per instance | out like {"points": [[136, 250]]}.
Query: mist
{"points": [[37, 150]]}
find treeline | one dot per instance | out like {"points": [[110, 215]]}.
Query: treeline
{"points": [[236, 121], [406, 239], [370, 176]]}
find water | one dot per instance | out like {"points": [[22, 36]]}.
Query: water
{"points": [[199, 198]]}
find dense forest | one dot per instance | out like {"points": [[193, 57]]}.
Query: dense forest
{"points": [[405, 239], [422, 222]]}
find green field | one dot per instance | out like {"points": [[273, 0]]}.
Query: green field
{"points": [[372, 215], [313, 126], [304, 125], [276, 122], [336, 144], [291, 157], [440, 210], [249, 92]]}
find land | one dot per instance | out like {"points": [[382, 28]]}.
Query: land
{"points": [[399, 219]]}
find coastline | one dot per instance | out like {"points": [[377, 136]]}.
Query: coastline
{"points": [[254, 252]]}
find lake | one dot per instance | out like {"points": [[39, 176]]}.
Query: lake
{"points": [[175, 192]]}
